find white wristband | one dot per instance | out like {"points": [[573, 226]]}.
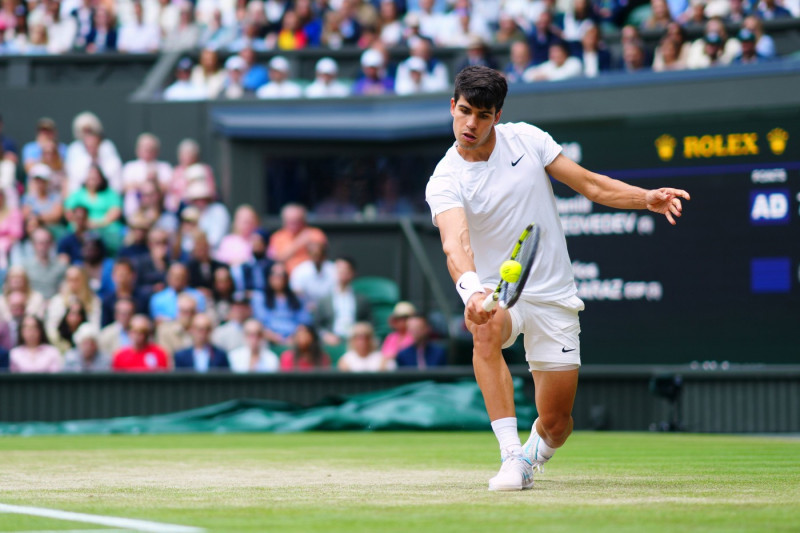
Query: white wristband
{"points": [[468, 284]]}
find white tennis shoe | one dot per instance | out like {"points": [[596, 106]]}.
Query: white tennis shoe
{"points": [[530, 451], [516, 473]]}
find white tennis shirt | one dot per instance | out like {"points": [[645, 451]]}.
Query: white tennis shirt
{"points": [[501, 197]]}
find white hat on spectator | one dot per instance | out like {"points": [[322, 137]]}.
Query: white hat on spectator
{"points": [[416, 63], [371, 58], [235, 63], [195, 172], [40, 170], [327, 65], [84, 332], [411, 20], [198, 190], [279, 63]]}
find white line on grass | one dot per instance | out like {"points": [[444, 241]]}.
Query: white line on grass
{"points": [[112, 521], [80, 531]]}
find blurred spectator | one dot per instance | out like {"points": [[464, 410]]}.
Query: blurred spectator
{"points": [[431, 18], [84, 18], [278, 308], [90, 147], [400, 337], [695, 16], [633, 57], [168, 13], [422, 353], [421, 72], [138, 36], [390, 202], [61, 30], [217, 35], [142, 355], [98, 265], [203, 355], [135, 243], [51, 157], [593, 53], [221, 294], [123, 277], [186, 34], [314, 279], [10, 228], [74, 316], [16, 312], [254, 355], [764, 43], [579, 19], [667, 56], [273, 12], [75, 286], [255, 75], [771, 10], [677, 34], [233, 88], [23, 250], [749, 54], [46, 134], [306, 353], [338, 204], [230, 335], [362, 354], [543, 34], [34, 353], [33, 302], [188, 169], [44, 271], [559, 67], [151, 209], [335, 314], [237, 248], [202, 267], [145, 167], [86, 356], [392, 29], [519, 61], [289, 244], [164, 304], [183, 88], [292, 35], [374, 80], [103, 205], [213, 219], [714, 48], [737, 11], [173, 335], [660, 16], [342, 27], [310, 20], [102, 38], [460, 27], [151, 269], [508, 31], [187, 229], [477, 54], [208, 74], [279, 86], [325, 84], [250, 37], [116, 335], [252, 274]]}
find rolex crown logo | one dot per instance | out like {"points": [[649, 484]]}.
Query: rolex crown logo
{"points": [[777, 140], [666, 147]]}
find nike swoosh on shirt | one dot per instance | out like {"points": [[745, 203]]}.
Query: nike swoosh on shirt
{"points": [[514, 163], [564, 349]]}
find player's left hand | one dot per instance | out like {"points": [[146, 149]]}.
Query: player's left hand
{"points": [[666, 201]]}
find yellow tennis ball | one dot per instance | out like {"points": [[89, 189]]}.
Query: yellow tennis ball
{"points": [[510, 271]]}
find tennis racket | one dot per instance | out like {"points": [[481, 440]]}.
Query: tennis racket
{"points": [[506, 294]]}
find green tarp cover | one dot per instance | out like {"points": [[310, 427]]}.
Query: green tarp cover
{"points": [[418, 406]]}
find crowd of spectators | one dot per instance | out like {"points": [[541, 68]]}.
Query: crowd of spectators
{"points": [[137, 266], [548, 39]]}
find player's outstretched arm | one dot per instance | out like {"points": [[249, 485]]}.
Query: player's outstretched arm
{"points": [[454, 232], [614, 193]]}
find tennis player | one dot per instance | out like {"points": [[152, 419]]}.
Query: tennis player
{"points": [[487, 188]]}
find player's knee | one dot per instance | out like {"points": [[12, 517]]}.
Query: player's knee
{"points": [[486, 341], [556, 426]]}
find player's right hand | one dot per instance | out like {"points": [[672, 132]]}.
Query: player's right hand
{"points": [[474, 312]]}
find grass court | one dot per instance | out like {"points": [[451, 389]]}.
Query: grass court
{"points": [[403, 482]]}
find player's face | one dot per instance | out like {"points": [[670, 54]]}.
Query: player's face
{"points": [[472, 126]]}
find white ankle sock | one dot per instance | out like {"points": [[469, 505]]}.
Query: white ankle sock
{"points": [[505, 429], [541, 452]]}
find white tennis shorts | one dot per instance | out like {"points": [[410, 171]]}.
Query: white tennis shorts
{"points": [[551, 332]]}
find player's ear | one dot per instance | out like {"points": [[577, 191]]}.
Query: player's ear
{"points": [[453, 106], [497, 117]]}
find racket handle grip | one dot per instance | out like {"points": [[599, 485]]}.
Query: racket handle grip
{"points": [[489, 303]]}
